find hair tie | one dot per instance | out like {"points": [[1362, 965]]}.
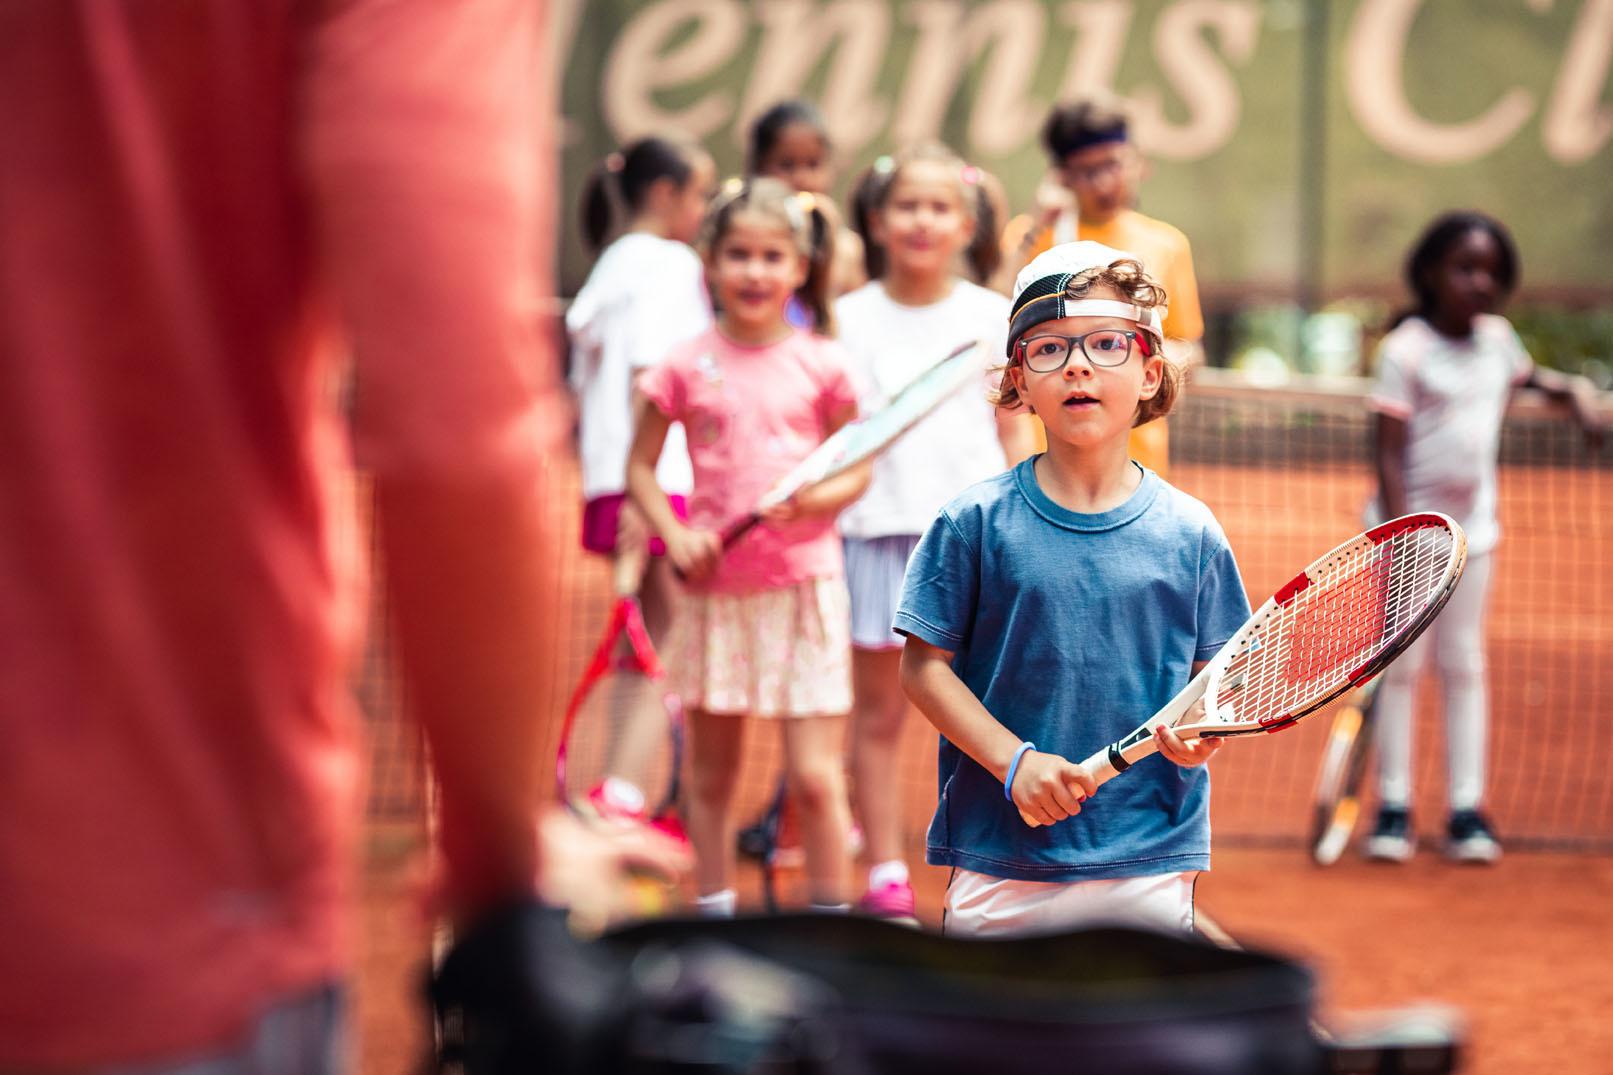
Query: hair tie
{"points": [[615, 162], [884, 164], [1013, 767], [795, 211], [971, 175]]}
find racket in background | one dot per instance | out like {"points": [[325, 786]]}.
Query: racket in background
{"points": [[767, 833], [1330, 628], [865, 438], [1342, 773], [621, 747]]}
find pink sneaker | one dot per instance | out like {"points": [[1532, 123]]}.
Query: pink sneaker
{"points": [[893, 901], [671, 826]]}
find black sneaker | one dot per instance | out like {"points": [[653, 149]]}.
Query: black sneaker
{"points": [[1469, 838], [1391, 839], [755, 841]]}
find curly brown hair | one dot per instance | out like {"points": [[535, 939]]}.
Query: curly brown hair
{"points": [[1125, 276]]}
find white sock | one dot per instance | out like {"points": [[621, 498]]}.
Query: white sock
{"points": [[890, 872], [624, 794], [718, 904]]}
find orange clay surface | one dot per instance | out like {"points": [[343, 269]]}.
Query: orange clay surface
{"points": [[1523, 948]]}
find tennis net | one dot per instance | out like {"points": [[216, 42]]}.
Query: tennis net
{"points": [[1287, 471]]}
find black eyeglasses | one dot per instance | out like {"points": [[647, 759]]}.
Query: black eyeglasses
{"points": [[1102, 347]]}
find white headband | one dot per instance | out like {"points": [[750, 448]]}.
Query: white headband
{"points": [[1144, 317]]}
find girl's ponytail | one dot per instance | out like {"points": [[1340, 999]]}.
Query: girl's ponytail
{"points": [[867, 195], [618, 185], [822, 222], [984, 253], [602, 201]]}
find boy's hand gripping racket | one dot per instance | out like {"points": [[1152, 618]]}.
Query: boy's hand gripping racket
{"points": [[1330, 628], [869, 436]]}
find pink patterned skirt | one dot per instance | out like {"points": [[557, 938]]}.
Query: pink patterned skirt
{"points": [[777, 653]]}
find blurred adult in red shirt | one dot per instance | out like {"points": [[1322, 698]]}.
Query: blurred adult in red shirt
{"points": [[188, 190]]}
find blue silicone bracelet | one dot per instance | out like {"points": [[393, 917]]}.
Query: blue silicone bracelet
{"points": [[1013, 767]]}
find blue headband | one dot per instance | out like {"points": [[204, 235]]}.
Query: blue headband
{"points": [[1088, 139]]}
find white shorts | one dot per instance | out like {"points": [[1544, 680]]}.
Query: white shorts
{"points": [[981, 906], [875, 568]]}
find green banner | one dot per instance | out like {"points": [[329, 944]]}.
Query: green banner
{"points": [[1300, 145]]}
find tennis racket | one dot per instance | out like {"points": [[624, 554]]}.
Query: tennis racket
{"points": [[867, 437], [622, 725], [1339, 779], [1330, 628]]}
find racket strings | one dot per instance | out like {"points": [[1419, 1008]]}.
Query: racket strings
{"points": [[868, 435], [1359, 603], [623, 726]]}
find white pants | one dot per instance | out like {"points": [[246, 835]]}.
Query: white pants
{"points": [[1457, 641], [982, 906]]}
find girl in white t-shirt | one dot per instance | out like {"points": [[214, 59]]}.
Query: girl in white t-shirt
{"points": [[651, 197], [1446, 371], [923, 207]]}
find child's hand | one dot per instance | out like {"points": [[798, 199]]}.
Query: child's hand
{"points": [[694, 553], [785, 512], [1186, 752], [810, 502], [632, 531], [1048, 788], [1595, 435], [1052, 199]]}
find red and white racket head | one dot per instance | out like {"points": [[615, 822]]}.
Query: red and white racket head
{"points": [[621, 721], [1333, 626]]}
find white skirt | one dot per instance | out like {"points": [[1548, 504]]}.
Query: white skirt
{"points": [[875, 568], [776, 653]]}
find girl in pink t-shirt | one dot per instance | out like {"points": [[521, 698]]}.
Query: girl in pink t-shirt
{"points": [[765, 629]]}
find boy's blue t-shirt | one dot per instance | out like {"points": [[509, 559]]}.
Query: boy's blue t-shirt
{"points": [[1073, 629]]}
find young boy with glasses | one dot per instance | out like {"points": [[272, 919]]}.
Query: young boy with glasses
{"points": [[1050, 609]]}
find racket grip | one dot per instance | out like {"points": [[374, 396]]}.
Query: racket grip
{"points": [[730, 534], [739, 528], [1100, 768]]}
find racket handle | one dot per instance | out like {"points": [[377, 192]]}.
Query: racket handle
{"points": [[730, 534], [1114, 759], [739, 528]]}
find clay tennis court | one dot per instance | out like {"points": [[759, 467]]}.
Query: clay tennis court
{"points": [[1519, 947]]}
